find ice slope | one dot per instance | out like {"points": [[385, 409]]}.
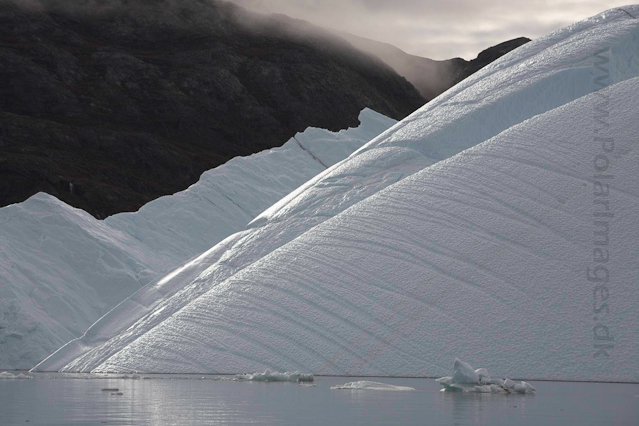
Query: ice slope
{"points": [[226, 198], [61, 270], [484, 255], [53, 291], [538, 77]]}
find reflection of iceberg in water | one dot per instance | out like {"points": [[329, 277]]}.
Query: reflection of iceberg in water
{"points": [[466, 379]]}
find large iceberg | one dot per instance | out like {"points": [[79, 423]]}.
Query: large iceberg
{"points": [[489, 255], [467, 229], [61, 269]]}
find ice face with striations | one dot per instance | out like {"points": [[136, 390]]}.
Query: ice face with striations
{"points": [[61, 269], [485, 255], [386, 264]]}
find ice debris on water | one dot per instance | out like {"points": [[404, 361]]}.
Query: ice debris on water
{"points": [[126, 376], [274, 376], [7, 375], [367, 385], [466, 379]]}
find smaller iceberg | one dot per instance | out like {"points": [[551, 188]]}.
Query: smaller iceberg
{"points": [[274, 376], [366, 385], [467, 379]]}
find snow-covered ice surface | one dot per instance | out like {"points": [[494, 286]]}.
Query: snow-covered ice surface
{"points": [[467, 379], [386, 264], [368, 385], [275, 376], [61, 269], [483, 255]]}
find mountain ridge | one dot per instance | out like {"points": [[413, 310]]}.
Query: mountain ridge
{"points": [[432, 77]]}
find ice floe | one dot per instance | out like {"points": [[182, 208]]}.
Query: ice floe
{"points": [[368, 385], [7, 375], [466, 379], [275, 376]]}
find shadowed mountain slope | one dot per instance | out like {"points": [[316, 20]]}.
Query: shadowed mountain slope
{"points": [[110, 109]]}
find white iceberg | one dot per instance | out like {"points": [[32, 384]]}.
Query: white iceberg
{"points": [[387, 264], [368, 385]]}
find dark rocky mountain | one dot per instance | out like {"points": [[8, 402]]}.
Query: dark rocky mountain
{"points": [[429, 76], [110, 104]]}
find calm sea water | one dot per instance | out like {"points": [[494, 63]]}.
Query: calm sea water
{"points": [[170, 400]]}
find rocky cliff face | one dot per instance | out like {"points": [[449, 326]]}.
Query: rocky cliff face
{"points": [[109, 105]]}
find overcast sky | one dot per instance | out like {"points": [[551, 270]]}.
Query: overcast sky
{"points": [[439, 29]]}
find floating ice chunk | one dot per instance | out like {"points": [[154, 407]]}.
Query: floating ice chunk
{"points": [[450, 386], [132, 376], [509, 384], [367, 385], [463, 373], [521, 387], [465, 379], [274, 376], [482, 373], [488, 389], [7, 375], [23, 376], [490, 381]]}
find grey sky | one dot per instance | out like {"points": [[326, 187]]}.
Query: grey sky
{"points": [[439, 29]]}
